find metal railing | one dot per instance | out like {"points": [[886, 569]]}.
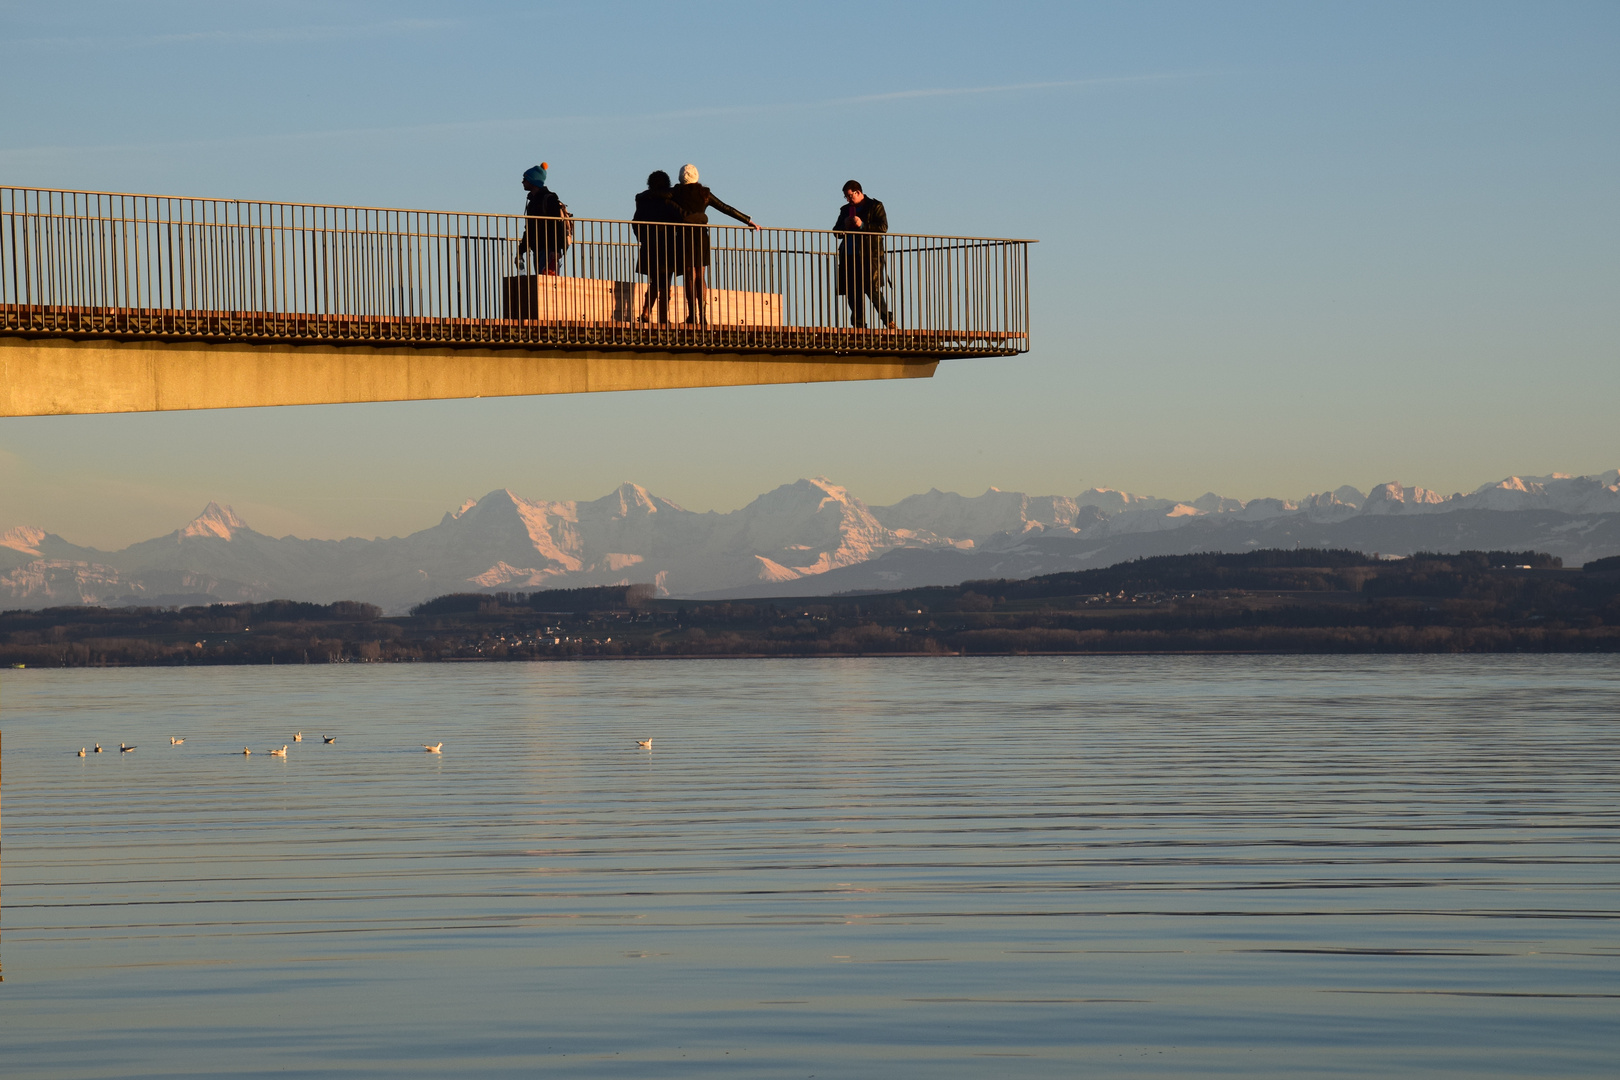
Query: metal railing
{"points": [[89, 264]]}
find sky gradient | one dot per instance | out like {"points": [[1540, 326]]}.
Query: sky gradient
{"points": [[1283, 247]]}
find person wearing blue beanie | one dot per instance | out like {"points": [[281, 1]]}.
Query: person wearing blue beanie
{"points": [[546, 238]]}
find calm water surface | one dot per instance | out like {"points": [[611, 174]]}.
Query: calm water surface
{"points": [[932, 868]]}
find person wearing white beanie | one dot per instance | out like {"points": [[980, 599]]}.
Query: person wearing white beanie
{"points": [[692, 249]]}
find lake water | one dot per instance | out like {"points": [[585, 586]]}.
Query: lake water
{"points": [[954, 867]]}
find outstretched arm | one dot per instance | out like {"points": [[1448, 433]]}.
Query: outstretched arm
{"points": [[731, 211]]}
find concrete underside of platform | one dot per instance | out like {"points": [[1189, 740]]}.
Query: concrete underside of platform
{"points": [[56, 376]]}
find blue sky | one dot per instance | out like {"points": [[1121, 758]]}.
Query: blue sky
{"points": [[1282, 247]]}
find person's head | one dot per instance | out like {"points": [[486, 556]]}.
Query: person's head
{"points": [[658, 180], [689, 173], [852, 192], [535, 176]]}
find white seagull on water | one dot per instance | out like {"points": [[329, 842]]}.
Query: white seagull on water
{"points": [[122, 749], [280, 753], [434, 749], [81, 751], [645, 744], [174, 741], [298, 737], [329, 739]]}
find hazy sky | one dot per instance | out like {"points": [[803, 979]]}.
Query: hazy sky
{"points": [[1283, 246]]}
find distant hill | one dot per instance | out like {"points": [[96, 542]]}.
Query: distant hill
{"points": [[807, 538], [1276, 601]]}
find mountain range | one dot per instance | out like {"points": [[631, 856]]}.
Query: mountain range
{"points": [[810, 537]]}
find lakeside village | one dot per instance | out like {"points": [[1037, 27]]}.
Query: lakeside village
{"points": [[1294, 601]]}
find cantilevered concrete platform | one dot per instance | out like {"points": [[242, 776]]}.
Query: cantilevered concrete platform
{"points": [[49, 376], [131, 303]]}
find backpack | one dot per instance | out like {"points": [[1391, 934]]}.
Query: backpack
{"points": [[566, 232], [568, 223]]}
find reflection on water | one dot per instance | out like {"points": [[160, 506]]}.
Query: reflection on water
{"points": [[1031, 867]]}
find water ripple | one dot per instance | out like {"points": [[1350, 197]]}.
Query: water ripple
{"points": [[1127, 866]]}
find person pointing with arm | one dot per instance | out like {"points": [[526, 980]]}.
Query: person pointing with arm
{"points": [[692, 247]]}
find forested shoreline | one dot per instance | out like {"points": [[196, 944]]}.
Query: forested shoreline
{"points": [[1284, 601]]}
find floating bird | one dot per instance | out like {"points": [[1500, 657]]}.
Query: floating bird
{"points": [[174, 741], [298, 737], [246, 751], [122, 749], [434, 749], [329, 739], [81, 751], [645, 744], [98, 748], [280, 753]]}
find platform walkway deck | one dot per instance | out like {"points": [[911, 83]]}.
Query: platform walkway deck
{"points": [[112, 302]]}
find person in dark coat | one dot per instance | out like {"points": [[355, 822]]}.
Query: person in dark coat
{"points": [[547, 232], [655, 212], [692, 246], [861, 220]]}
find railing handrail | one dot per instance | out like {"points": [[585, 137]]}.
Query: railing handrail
{"points": [[448, 213], [121, 264]]}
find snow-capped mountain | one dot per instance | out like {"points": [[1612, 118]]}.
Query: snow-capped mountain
{"points": [[499, 542], [809, 537], [506, 542], [947, 514]]}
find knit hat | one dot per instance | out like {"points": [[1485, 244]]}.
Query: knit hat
{"points": [[689, 173], [536, 174]]}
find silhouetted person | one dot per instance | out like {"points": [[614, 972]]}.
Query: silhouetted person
{"points": [[860, 254], [547, 231], [692, 245], [655, 212]]}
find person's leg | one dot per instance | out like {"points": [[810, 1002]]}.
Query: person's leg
{"points": [[647, 297], [657, 289], [857, 306], [658, 285], [881, 303], [864, 289], [695, 311], [855, 296]]}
